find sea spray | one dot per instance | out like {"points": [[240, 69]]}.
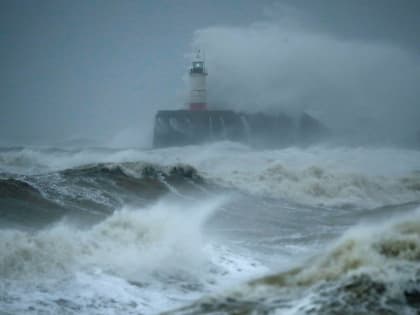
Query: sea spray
{"points": [[141, 256], [130, 241], [319, 175], [167, 236], [371, 269], [136, 260]]}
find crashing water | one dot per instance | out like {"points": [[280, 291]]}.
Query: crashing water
{"points": [[213, 229]]}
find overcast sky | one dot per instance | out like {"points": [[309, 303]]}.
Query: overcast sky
{"points": [[100, 69]]}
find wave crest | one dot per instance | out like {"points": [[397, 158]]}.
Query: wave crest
{"points": [[131, 243], [319, 186], [369, 270], [90, 192]]}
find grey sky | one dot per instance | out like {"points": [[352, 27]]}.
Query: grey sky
{"points": [[100, 69]]}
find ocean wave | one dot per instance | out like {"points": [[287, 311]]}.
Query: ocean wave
{"points": [[369, 270], [316, 176], [138, 170], [92, 191], [318, 186], [31, 161], [313, 185], [38, 160], [165, 240], [118, 184], [135, 261], [126, 242]]}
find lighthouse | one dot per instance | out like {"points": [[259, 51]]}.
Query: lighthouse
{"points": [[196, 123], [198, 90]]}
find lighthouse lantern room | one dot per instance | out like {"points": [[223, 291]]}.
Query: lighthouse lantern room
{"points": [[198, 90]]}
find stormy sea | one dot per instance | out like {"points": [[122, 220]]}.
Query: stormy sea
{"points": [[218, 228]]}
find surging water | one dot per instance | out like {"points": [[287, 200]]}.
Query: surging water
{"points": [[318, 230], [157, 256], [371, 269]]}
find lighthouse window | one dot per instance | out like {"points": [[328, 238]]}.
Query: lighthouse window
{"points": [[197, 67]]}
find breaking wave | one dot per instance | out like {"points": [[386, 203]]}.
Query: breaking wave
{"points": [[30, 161], [95, 190], [369, 270], [317, 186], [129, 243], [156, 252], [316, 176], [135, 261]]}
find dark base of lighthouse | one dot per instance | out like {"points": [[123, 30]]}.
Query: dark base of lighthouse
{"points": [[184, 127]]}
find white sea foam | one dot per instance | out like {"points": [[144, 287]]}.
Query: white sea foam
{"points": [[368, 270], [325, 176], [129, 242], [157, 258], [382, 250], [371, 265], [161, 250]]}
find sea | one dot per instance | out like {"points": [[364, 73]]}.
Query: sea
{"points": [[217, 228]]}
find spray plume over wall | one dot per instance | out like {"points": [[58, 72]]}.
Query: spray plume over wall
{"points": [[361, 89]]}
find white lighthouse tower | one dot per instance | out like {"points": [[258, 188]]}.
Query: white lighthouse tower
{"points": [[198, 89]]}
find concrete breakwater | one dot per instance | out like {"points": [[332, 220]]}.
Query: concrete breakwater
{"points": [[183, 127]]}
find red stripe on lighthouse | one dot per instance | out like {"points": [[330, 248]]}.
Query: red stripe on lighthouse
{"points": [[198, 106]]}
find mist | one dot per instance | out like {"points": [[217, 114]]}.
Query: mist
{"points": [[97, 72], [364, 91]]}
